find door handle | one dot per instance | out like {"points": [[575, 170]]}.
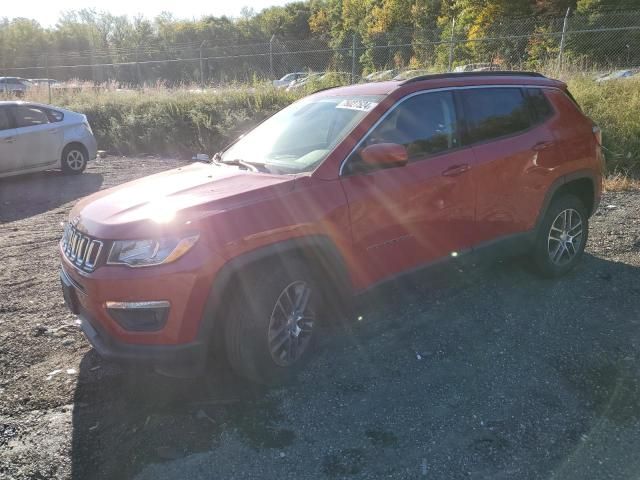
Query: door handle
{"points": [[9, 139], [456, 170], [55, 130], [538, 147]]}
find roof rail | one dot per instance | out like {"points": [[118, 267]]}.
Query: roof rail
{"points": [[495, 73]]}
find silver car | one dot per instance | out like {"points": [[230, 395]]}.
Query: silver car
{"points": [[14, 85], [36, 137]]}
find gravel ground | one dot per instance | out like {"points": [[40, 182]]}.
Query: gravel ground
{"points": [[479, 371]]}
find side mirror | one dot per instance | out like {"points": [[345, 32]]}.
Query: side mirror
{"points": [[384, 155]]}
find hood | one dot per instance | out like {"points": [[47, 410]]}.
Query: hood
{"points": [[173, 197]]}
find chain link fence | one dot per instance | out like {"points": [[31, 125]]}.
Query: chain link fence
{"points": [[595, 42]]}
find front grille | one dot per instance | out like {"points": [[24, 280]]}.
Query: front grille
{"points": [[81, 249]]}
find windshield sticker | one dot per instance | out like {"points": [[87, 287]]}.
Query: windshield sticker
{"points": [[361, 105]]}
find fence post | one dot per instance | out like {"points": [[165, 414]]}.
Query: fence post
{"points": [[353, 58], [201, 65], [453, 28], [46, 74], [271, 72], [565, 25]]}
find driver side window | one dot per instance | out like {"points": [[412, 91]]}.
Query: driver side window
{"points": [[424, 124]]}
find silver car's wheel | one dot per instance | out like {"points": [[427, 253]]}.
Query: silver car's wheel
{"points": [[291, 324], [565, 237], [74, 159]]}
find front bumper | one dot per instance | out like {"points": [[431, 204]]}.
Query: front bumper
{"points": [[175, 360], [92, 146], [174, 355]]}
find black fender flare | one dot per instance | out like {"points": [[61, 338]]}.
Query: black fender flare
{"points": [[558, 183], [324, 254]]}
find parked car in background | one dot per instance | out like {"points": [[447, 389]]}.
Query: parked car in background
{"points": [[477, 67], [288, 78], [618, 74], [14, 85], [329, 78], [40, 82], [301, 82], [36, 137], [339, 191], [381, 75]]}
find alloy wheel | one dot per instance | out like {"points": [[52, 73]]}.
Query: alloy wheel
{"points": [[291, 324], [565, 237]]}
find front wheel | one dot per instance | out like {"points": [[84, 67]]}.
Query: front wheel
{"points": [[74, 159], [562, 236], [272, 322]]}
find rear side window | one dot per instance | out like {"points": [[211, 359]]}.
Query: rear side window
{"points": [[539, 105], [27, 116], [5, 119], [494, 112]]}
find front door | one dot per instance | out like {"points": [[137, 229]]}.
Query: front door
{"points": [[405, 217]]}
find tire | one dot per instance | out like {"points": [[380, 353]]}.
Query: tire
{"points": [[74, 159], [261, 330], [559, 245]]}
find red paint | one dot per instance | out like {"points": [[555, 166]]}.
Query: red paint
{"points": [[383, 223]]}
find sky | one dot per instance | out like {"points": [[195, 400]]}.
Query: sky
{"points": [[46, 12]]}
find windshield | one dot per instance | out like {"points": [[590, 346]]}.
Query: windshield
{"points": [[298, 138]]}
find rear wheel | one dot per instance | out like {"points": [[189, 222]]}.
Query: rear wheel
{"points": [[272, 322], [74, 159], [562, 236]]}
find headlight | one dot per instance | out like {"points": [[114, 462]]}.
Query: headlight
{"points": [[142, 253]]}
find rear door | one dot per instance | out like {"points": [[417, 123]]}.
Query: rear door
{"points": [[515, 153], [407, 216], [9, 159], [38, 138]]}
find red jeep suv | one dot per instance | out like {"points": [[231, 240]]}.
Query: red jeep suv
{"points": [[341, 190]]}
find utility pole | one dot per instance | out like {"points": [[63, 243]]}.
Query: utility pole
{"points": [[453, 29], [565, 25], [353, 58], [202, 65]]}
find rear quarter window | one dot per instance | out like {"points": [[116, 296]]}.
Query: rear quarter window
{"points": [[494, 112], [539, 105], [54, 115]]}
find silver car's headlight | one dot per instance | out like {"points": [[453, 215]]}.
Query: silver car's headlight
{"points": [[144, 253]]}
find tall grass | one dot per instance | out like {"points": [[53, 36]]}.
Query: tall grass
{"points": [[163, 121], [187, 120], [615, 107]]}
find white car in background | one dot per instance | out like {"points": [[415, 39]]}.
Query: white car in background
{"points": [[44, 82], [288, 78], [618, 74], [35, 137]]}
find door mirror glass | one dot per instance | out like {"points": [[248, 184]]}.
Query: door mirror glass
{"points": [[384, 155]]}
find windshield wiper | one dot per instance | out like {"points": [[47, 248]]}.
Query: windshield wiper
{"points": [[241, 163]]}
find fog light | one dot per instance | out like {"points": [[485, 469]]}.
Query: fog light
{"points": [[139, 316]]}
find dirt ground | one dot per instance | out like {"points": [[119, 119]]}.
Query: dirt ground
{"points": [[482, 372]]}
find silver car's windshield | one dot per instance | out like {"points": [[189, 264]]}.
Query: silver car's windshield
{"points": [[298, 138]]}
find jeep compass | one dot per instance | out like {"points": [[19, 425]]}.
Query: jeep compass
{"points": [[346, 188]]}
